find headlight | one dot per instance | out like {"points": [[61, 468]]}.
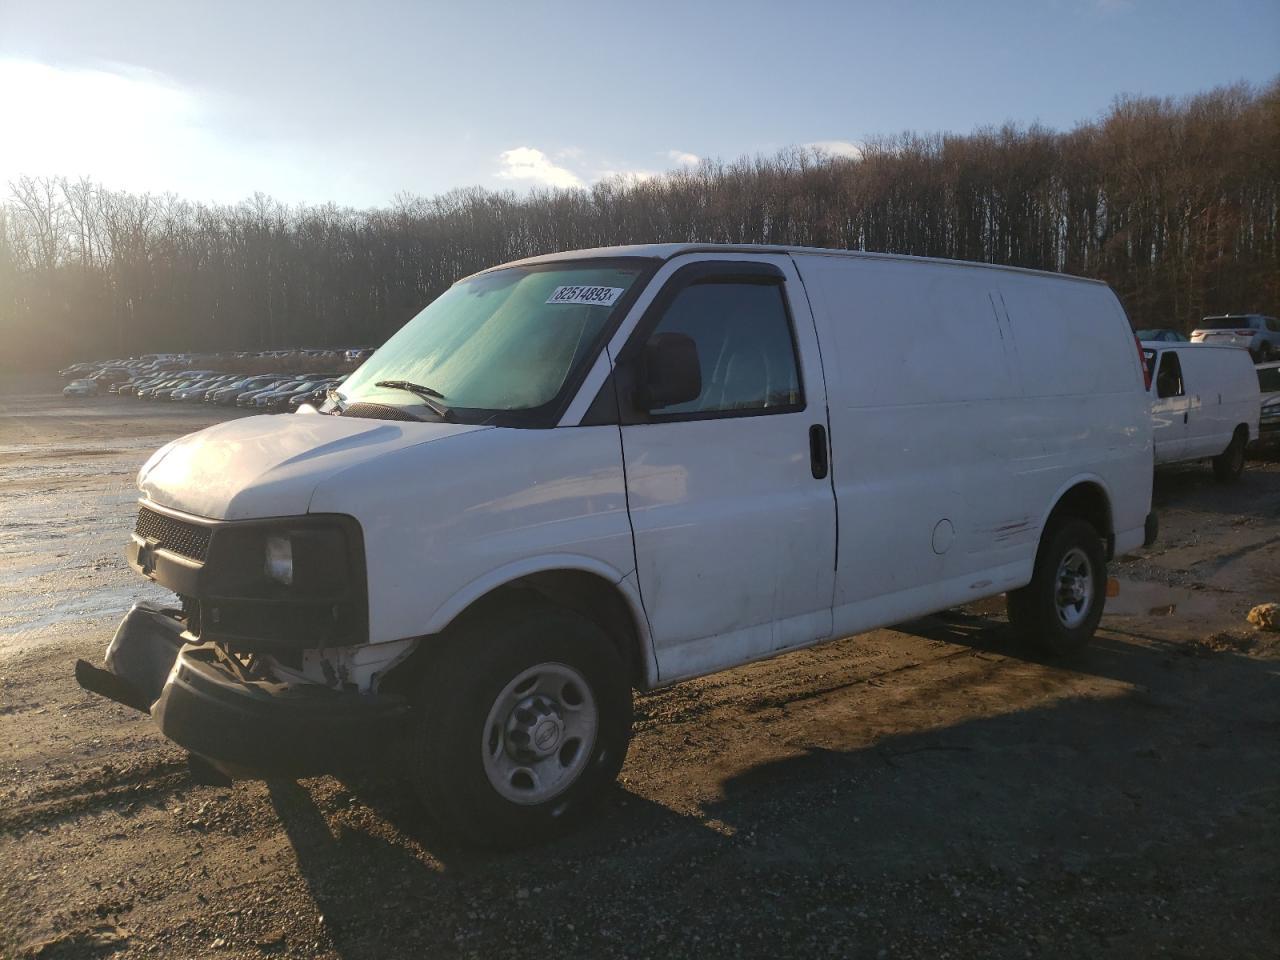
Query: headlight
{"points": [[289, 583], [311, 557], [279, 560]]}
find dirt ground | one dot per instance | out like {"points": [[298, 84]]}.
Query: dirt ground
{"points": [[925, 791]]}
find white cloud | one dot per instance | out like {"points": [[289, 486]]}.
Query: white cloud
{"points": [[530, 163], [846, 149], [683, 158]]}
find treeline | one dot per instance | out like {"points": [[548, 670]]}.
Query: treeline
{"points": [[1175, 203]]}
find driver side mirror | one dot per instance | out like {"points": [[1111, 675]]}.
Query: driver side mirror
{"points": [[670, 371]]}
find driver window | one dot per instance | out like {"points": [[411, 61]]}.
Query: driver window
{"points": [[1169, 379], [744, 345]]}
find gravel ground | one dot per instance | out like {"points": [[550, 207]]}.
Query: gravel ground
{"points": [[930, 790]]}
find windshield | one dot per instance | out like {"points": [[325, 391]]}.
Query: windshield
{"points": [[1269, 380], [509, 341], [1224, 323]]}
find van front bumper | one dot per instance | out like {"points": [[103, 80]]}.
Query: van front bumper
{"points": [[246, 727]]}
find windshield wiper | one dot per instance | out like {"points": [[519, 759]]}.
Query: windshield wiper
{"points": [[428, 396]]}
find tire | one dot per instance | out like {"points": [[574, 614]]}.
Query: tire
{"points": [[1228, 465], [502, 680], [1039, 613]]}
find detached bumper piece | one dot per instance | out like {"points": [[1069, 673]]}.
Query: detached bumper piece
{"points": [[138, 660], [242, 725]]}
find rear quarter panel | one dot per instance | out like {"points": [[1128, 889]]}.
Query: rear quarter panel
{"points": [[971, 397]]}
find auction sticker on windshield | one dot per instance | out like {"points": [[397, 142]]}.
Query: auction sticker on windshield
{"points": [[596, 296]]}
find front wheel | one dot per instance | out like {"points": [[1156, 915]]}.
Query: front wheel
{"points": [[1059, 610], [523, 719]]}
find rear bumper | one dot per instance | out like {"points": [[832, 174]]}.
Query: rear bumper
{"points": [[1227, 340], [1268, 431], [245, 726]]}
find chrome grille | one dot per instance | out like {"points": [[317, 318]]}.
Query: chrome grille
{"points": [[176, 536]]}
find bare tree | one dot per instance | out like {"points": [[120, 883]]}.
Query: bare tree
{"points": [[1176, 203]]}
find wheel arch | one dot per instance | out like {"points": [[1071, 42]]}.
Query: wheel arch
{"points": [[589, 587], [1087, 497]]}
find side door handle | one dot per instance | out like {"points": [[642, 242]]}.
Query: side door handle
{"points": [[818, 451]]}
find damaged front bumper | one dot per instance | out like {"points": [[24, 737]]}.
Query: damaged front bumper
{"points": [[236, 716]]}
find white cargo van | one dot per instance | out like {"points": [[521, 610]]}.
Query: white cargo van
{"points": [[583, 474], [1205, 403]]}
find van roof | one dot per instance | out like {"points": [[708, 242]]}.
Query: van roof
{"points": [[665, 251]]}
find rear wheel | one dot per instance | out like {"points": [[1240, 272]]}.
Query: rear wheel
{"points": [[1229, 464], [1059, 610], [523, 719]]}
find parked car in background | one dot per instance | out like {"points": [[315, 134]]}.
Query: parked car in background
{"points": [[111, 376], [1254, 332], [166, 389], [278, 400], [284, 400], [227, 392], [316, 397], [1161, 335], [264, 400], [81, 388], [617, 469], [249, 397], [1269, 415], [193, 391], [1204, 405]]}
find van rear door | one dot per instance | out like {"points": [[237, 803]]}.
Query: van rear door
{"points": [[729, 493]]}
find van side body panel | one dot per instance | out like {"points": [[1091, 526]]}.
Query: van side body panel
{"points": [[1222, 387], [963, 403]]}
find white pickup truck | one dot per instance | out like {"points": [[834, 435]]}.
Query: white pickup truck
{"points": [[583, 474]]}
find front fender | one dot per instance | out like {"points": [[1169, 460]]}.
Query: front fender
{"points": [[448, 611]]}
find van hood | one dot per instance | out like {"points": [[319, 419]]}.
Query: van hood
{"points": [[269, 466]]}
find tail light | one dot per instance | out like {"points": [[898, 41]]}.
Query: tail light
{"points": [[1142, 362]]}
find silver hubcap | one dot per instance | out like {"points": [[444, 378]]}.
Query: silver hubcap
{"points": [[1074, 595], [539, 733]]}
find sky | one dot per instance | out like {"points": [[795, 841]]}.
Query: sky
{"points": [[356, 102]]}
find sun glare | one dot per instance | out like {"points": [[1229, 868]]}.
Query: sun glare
{"points": [[119, 125]]}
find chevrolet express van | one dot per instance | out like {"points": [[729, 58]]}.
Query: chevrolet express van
{"points": [[579, 475], [1205, 404]]}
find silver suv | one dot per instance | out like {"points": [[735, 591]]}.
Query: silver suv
{"points": [[1258, 334]]}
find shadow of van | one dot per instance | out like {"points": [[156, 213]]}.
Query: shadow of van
{"points": [[1084, 825]]}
